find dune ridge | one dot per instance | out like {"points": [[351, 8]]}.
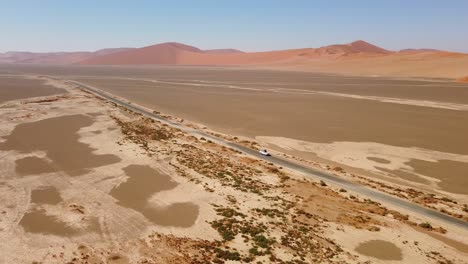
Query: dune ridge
{"points": [[177, 53], [355, 58]]}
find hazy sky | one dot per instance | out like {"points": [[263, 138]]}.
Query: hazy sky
{"points": [[254, 25]]}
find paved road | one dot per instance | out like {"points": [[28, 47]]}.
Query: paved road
{"points": [[315, 174]]}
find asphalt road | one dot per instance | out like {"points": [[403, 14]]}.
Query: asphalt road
{"points": [[312, 173]]}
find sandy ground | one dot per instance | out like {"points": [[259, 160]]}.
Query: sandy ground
{"points": [[421, 64], [421, 128], [104, 185], [14, 88], [380, 158], [417, 146]]}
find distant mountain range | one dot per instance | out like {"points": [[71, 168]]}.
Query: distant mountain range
{"points": [[358, 57], [55, 57], [165, 49], [178, 53]]}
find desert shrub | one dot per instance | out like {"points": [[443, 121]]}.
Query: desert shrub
{"points": [[262, 241], [227, 255], [426, 225], [338, 169], [445, 199]]}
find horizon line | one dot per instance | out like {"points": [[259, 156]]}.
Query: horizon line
{"points": [[203, 49]]}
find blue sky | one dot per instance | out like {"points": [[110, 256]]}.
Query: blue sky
{"points": [[48, 25]]}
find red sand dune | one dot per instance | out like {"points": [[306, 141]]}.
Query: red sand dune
{"points": [[165, 53], [359, 46], [358, 57], [176, 53]]}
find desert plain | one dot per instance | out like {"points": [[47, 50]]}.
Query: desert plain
{"points": [[86, 181]]}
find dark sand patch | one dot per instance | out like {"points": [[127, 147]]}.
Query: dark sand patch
{"points": [[462, 247], [58, 138], [33, 166], [453, 174], [37, 221], [379, 160], [176, 214], [322, 119], [118, 259], [404, 175], [46, 195], [142, 183], [13, 88], [380, 249]]}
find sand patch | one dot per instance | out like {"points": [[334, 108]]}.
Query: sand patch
{"points": [[46, 195], [380, 249], [33, 166], [280, 90], [58, 138], [463, 79], [13, 88], [414, 164], [453, 174], [143, 182], [404, 175], [421, 103], [462, 247], [379, 160], [323, 118], [37, 221]]}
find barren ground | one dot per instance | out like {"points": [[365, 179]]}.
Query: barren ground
{"points": [[83, 181], [404, 131]]}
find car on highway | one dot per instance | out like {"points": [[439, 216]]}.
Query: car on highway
{"points": [[264, 152]]}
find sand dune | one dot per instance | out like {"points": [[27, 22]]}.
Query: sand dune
{"points": [[177, 53], [356, 58], [359, 46], [165, 53], [169, 53]]}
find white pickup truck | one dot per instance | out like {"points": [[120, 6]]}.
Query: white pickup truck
{"points": [[264, 152]]}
